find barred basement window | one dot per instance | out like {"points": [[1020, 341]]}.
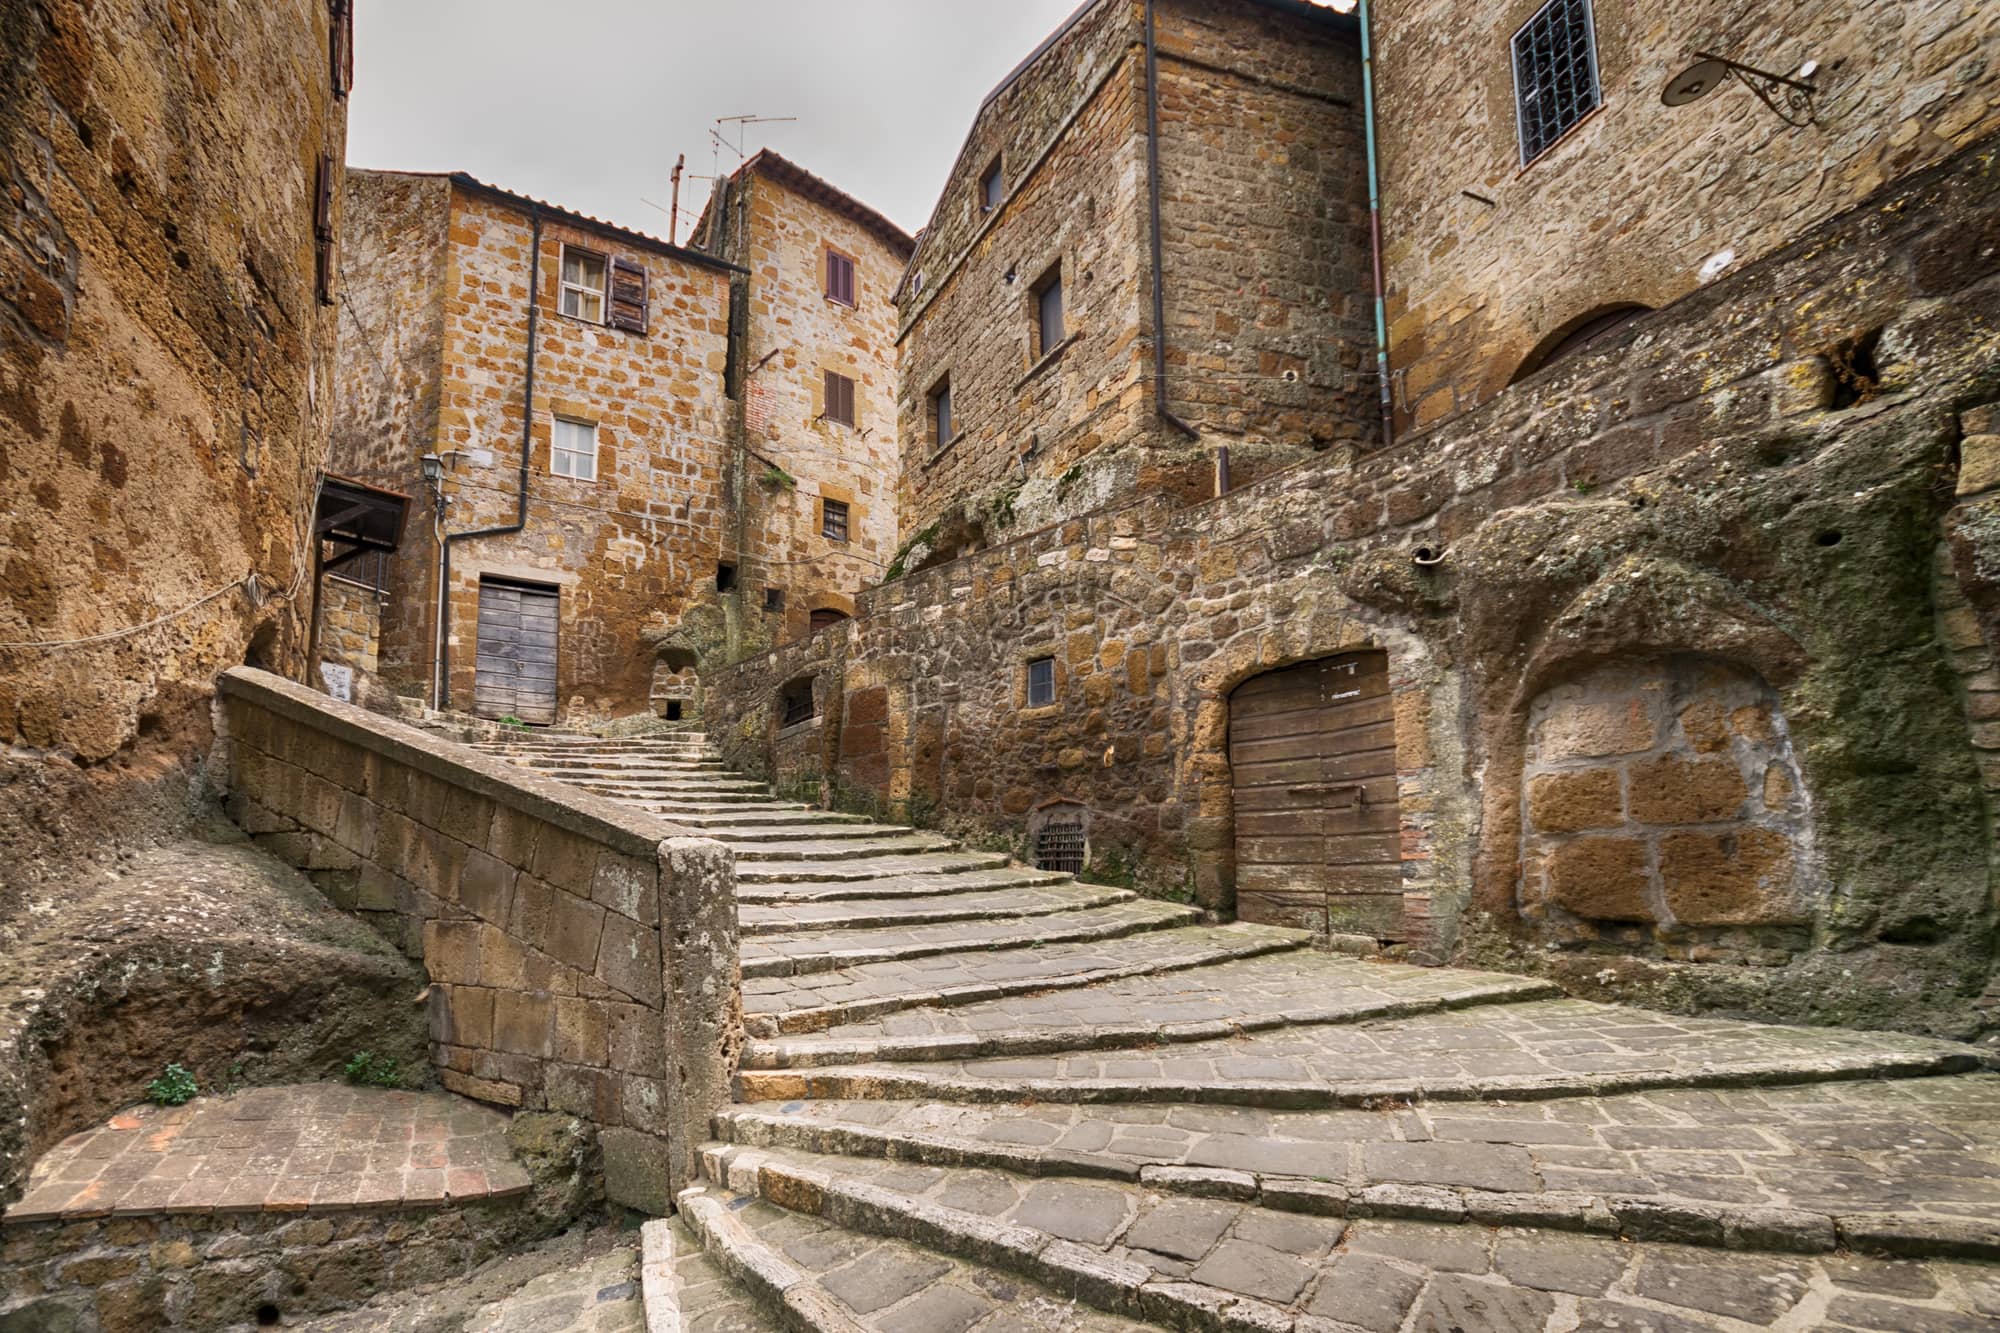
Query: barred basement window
{"points": [[796, 703], [1059, 846], [833, 520], [1555, 73]]}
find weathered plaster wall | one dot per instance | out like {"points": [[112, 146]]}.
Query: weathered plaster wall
{"points": [[1705, 488], [164, 365], [1656, 194]]}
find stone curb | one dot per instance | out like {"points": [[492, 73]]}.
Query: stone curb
{"points": [[832, 960], [889, 919], [887, 1082], [796, 1299], [795, 1021], [781, 1054], [659, 1289]]}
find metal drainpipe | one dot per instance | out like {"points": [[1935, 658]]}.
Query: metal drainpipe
{"points": [[440, 683], [1153, 209], [1375, 228]]}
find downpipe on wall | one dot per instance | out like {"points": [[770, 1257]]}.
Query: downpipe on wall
{"points": [[1375, 225], [1160, 407]]}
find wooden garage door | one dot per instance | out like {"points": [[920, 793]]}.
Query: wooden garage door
{"points": [[1318, 835], [517, 652]]}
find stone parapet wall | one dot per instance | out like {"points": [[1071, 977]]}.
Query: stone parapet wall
{"points": [[1755, 478], [582, 955]]}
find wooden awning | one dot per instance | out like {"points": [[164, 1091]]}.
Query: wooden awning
{"points": [[359, 517]]}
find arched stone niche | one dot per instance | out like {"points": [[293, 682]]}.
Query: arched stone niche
{"points": [[1662, 812]]}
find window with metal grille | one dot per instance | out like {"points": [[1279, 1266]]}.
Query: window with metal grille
{"points": [[839, 399], [795, 702], [1555, 73], [1059, 846], [833, 520], [839, 277], [1041, 682]]}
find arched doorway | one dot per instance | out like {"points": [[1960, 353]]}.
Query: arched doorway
{"points": [[1578, 336], [1312, 754]]}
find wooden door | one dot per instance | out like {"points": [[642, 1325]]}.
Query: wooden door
{"points": [[1312, 749], [517, 652]]}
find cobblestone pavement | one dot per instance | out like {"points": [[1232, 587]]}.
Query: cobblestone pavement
{"points": [[317, 1147], [984, 1097], [585, 1281]]}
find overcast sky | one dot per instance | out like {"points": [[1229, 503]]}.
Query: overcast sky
{"points": [[585, 103]]}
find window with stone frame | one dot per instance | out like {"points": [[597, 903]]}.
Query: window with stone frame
{"points": [[839, 277], [1041, 682], [1048, 302], [992, 187], [839, 399], [573, 451], [939, 411], [796, 703], [833, 520], [584, 274], [1555, 74]]}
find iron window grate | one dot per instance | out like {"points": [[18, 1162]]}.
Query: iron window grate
{"points": [[798, 702], [1555, 73], [1041, 682], [1059, 847], [833, 520]]}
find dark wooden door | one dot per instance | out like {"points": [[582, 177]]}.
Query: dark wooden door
{"points": [[1318, 833], [517, 652]]}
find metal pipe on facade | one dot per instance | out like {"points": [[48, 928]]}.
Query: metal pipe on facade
{"points": [[1153, 212], [1375, 226], [442, 656]]}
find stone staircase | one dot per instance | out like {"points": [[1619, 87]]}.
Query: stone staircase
{"points": [[980, 1096]]}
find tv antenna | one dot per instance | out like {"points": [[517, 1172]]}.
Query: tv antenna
{"points": [[718, 135]]}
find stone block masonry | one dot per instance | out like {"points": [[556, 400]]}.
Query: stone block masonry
{"points": [[582, 956]]}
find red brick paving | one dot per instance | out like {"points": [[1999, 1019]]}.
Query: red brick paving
{"points": [[315, 1147]]}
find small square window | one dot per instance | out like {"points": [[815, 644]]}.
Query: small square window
{"points": [[774, 599], [833, 520], [796, 703], [940, 414], [725, 578], [583, 285], [839, 277], [575, 451], [991, 188], [839, 397], [1041, 682], [1555, 73], [1049, 329]]}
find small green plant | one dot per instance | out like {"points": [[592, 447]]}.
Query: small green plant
{"points": [[513, 722], [370, 1070], [777, 479], [1584, 485], [174, 1087]]}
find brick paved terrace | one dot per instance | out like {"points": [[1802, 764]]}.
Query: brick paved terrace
{"points": [[983, 1097]]}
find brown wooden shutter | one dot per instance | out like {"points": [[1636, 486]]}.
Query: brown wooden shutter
{"points": [[839, 278], [839, 398], [629, 306], [342, 49], [323, 234]]}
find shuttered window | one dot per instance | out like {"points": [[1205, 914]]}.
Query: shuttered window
{"points": [[839, 277], [583, 285], [341, 45], [839, 399], [323, 233], [833, 520], [629, 305]]}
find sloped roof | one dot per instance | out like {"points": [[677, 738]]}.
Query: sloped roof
{"points": [[637, 238], [795, 177]]}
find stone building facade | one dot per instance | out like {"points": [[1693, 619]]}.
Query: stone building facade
{"points": [[1036, 379], [1668, 672], [459, 295], [166, 350], [1483, 230], [814, 365]]}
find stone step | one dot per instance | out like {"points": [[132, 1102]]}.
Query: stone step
{"points": [[778, 1005], [682, 1287], [996, 873], [782, 833], [1025, 901], [876, 868], [732, 805], [1224, 1263], [819, 850], [1534, 1050], [817, 1277], [824, 951], [1753, 1168], [788, 815], [581, 1281], [644, 786], [1159, 1009], [639, 767]]}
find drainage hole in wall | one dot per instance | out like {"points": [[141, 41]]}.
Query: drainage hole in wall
{"points": [[268, 1316], [1831, 537]]}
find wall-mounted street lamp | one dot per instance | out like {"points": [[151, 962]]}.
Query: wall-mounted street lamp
{"points": [[1789, 96]]}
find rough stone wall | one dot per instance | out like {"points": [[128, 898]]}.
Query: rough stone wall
{"points": [[582, 957], [350, 624], [1663, 198], [628, 552], [1069, 134], [164, 363], [1705, 487], [792, 334], [1264, 199]]}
